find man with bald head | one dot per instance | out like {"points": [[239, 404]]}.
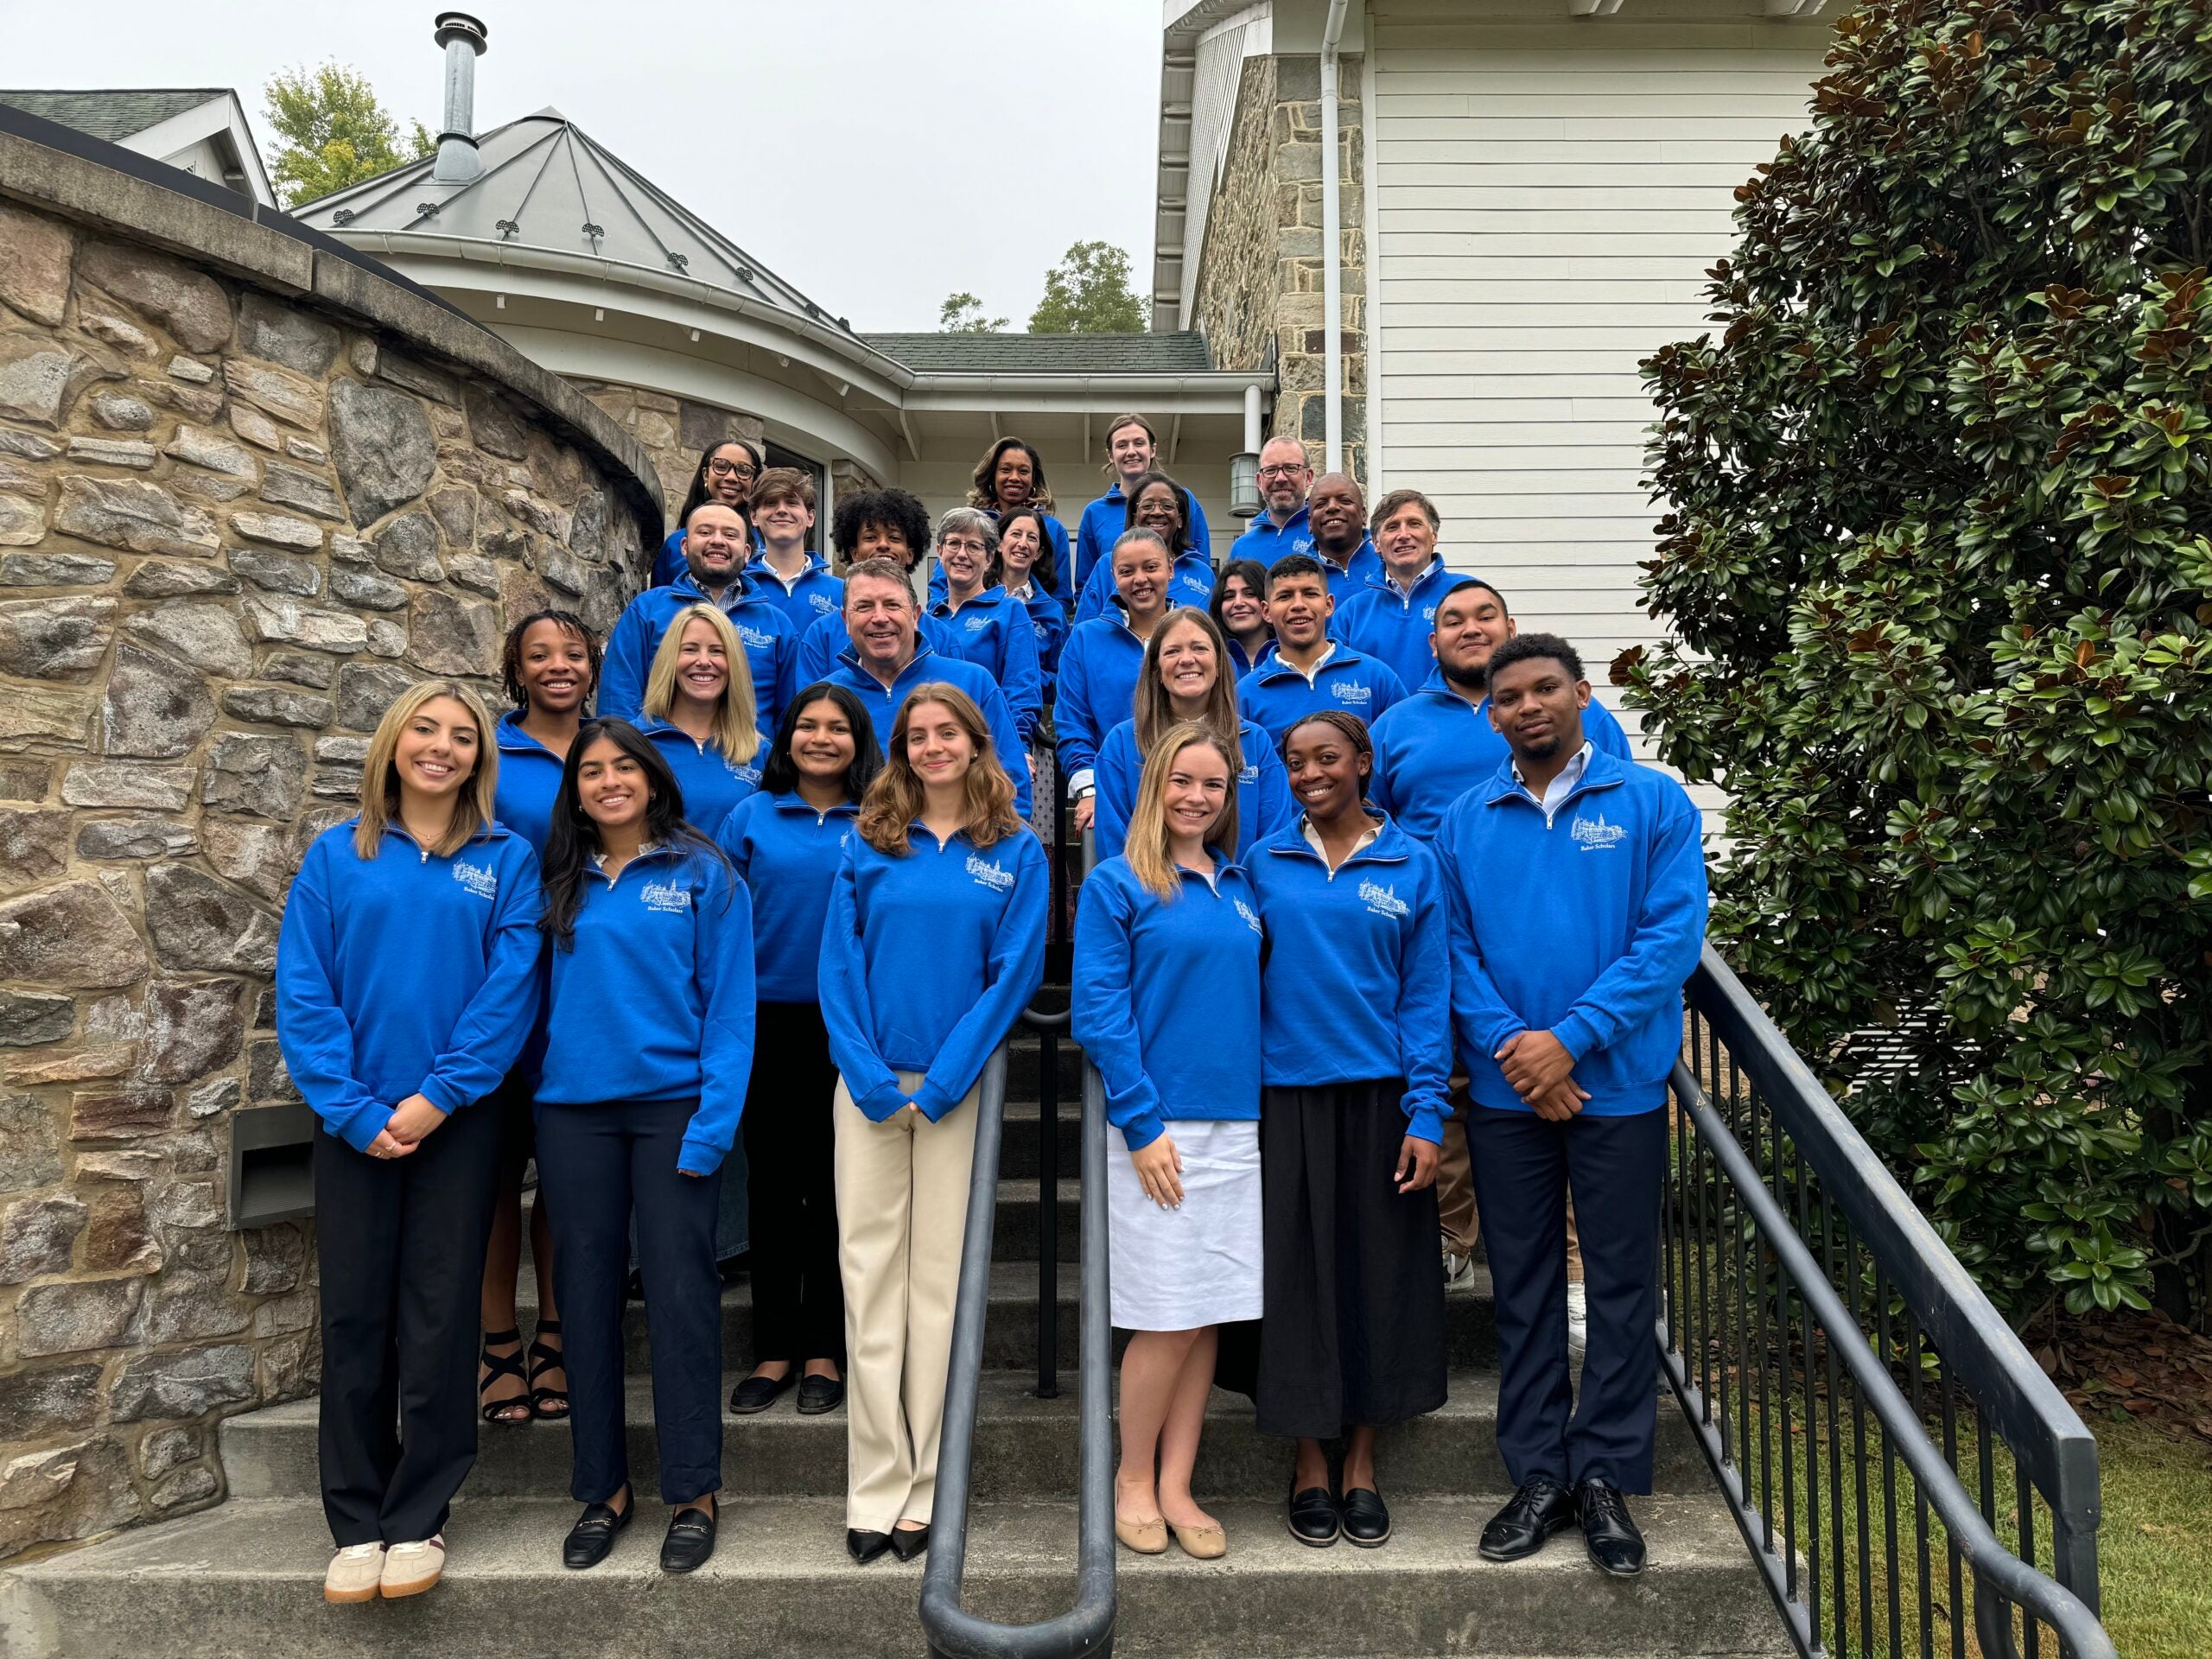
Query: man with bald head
{"points": [[1286, 525], [1336, 511]]}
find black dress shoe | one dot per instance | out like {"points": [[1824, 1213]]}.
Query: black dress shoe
{"points": [[758, 1393], [819, 1394], [592, 1537], [866, 1547], [1540, 1509], [1367, 1521], [690, 1539], [1613, 1541], [1313, 1517], [907, 1542]]}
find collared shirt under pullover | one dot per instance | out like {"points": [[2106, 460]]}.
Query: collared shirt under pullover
{"points": [[1435, 746], [1276, 694]]}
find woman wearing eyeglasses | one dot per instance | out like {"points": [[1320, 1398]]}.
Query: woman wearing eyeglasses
{"points": [[726, 474]]}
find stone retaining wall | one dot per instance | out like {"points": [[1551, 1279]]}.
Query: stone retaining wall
{"points": [[248, 490]]}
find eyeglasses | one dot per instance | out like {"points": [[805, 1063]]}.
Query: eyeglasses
{"points": [[1288, 470], [720, 468], [955, 544]]}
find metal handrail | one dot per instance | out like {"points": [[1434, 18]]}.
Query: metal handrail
{"points": [[2046, 1437]]}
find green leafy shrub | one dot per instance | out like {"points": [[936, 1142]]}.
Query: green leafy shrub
{"points": [[1937, 574]]}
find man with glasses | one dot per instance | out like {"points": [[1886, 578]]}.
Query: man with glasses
{"points": [[1286, 526]]}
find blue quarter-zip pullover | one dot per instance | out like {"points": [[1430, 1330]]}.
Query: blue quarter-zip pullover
{"points": [[670, 563], [788, 854], [1105, 518], [993, 632], [931, 666], [1263, 803], [1048, 626], [1395, 628], [808, 596], [529, 777], [712, 783], [1434, 747], [1239, 658], [1063, 565], [1359, 987], [1267, 540], [408, 973], [1277, 696], [828, 639], [655, 1002], [1190, 582], [771, 647], [927, 959], [1098, 690], [1584, 922], [1166, 997]]}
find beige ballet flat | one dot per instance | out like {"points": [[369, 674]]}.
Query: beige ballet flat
{"points": [[1145, 1537], [1200, 1544]]}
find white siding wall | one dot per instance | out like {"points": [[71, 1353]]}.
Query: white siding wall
{"points": [[1549, 193]]}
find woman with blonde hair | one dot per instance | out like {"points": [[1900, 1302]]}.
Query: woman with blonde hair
{"points": [[406, 985], [1168, 949], [701, 713], [1185, 677], [933, 944]]}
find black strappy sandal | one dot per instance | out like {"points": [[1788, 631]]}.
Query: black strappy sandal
{"points": [[549, 1404], [497, 1366]]}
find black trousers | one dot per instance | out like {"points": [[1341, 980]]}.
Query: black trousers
{"points": [[603, 1165], [1353, 1336], [790, 1150], [1523, 1168], [401, 1246]]}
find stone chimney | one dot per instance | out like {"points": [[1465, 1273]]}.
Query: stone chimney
{"points": [[462, 37]]}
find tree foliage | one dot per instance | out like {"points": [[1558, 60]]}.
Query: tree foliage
{"points": [[1937, 571], [1089, 293], [962, 314], [333, 132]]}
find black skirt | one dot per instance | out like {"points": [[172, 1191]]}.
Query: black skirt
{"points": [[1353, 1336]]}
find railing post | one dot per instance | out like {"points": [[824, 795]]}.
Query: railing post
{"points": [[1048, 1134]]}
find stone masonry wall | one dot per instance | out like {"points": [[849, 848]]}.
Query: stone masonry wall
{"points": [[1259, 278], [238, 511]]}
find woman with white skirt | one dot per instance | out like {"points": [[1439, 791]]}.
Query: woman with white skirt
{"points": [[1167, 1003]]}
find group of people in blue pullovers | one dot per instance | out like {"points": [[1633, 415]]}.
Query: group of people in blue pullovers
{"points": [[1292, 956]]}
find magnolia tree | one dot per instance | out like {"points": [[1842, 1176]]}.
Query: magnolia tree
{"points": [[1936, 572]]}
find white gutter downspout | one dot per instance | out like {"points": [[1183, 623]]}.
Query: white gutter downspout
{"points": [[1332, 330]]}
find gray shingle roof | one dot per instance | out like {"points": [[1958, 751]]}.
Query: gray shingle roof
{"points": [[113, 116], [1175, 353]]}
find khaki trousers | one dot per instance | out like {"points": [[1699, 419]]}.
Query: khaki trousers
{"points": [[902, 1206]]}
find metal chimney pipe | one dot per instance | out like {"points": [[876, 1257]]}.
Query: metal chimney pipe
{"points": [[462, 37]]}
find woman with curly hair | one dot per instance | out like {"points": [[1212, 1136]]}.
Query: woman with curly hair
{"points": [[1010, 477]]}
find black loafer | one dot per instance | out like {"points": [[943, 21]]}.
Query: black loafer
{"points": [[592, 1538], [1367, 1520], [1613, 1541], [907, 1542], [1313, 1517], [691, 1539], [758, 1393], [819, 1394], [866, 1547], [1540, 1509]]}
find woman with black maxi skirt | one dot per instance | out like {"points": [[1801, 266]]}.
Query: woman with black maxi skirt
{"points": [[1354, 1038], [785, 844]]}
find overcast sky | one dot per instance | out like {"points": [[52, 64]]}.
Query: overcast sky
{"points": [[879, 154]]}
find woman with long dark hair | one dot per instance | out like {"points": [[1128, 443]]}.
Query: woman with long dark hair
{"points": [[1009, 479], [1183, 679], [1239, 609], [725, 473], [934, 943], [407, 983], [549, 667], [1355, 1039], [786, 843], [649, 1038], [1167, 1003]]}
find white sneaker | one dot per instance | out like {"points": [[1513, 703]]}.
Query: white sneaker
{"points": [[1458, 1270], [409, 1569], [1577, 1320], [356, 1570]]}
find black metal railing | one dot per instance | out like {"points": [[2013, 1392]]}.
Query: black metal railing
{"points": [[1875, 1424]]}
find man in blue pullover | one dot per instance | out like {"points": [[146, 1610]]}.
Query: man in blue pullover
{"points": [[1305, 669], [716, 546], [889, 658], [1577, 892], [1394, 612], [794, 577], [1130, 447]]}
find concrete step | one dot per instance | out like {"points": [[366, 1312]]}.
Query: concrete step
{"points": [[1010, 1325], [1020, 1222], [1025, 1448], [1018, 1147], [243, 1579]]}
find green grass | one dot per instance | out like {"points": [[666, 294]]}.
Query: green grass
{"points": [[2155, 1548]]}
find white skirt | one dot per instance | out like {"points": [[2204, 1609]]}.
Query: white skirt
{"points": [[1198, 1265]]}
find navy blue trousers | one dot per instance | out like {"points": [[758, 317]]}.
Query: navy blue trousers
{"points": [[1523, 1169], [601, 1165]]}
